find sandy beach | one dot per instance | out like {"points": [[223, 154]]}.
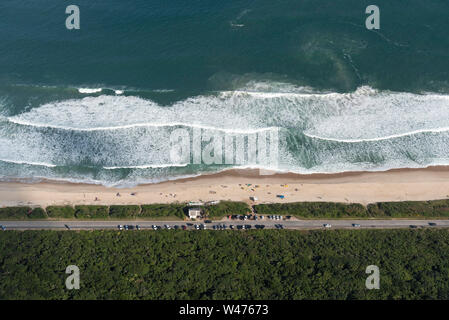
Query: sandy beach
{"points": [[239, 185]]}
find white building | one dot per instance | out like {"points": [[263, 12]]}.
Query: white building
{"points": [[194, 213]]}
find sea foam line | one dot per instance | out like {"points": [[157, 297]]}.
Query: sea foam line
{"points": [[135, 125], [147, 166], [393, 136], [89, 90], [42, 164]]}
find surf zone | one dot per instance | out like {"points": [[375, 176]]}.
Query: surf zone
{"points": [[200, 146]]}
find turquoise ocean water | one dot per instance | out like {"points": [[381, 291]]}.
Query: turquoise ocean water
{"points": [[98, 104]]}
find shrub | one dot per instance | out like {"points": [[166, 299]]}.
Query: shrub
{"points": [[436, 208], [18, 213], [91, 212], [124, 211], [313, 209], [162, 210], [66, 212], [225, 208], [38, 213]]}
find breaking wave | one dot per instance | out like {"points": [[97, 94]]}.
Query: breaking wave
{"points": [[115, 138]]}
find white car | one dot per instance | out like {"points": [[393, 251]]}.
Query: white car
{"points": [[327, 225], [120, 227]]}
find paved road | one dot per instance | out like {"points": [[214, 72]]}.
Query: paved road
{"points": [[269, 224]]}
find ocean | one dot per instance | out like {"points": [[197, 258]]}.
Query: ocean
{"points": [[100, 104]]}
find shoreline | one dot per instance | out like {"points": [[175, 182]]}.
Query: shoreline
{"points": [[363, 187]]}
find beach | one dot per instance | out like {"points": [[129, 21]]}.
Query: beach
{"points": [[239, 185]]}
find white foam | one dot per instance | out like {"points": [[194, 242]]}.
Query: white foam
{"points": [[137, 125], [405, 134], [118, 92], [148, 166], [43, 164], [89, 90], [115, 131]]}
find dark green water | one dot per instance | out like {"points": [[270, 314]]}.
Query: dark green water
{"points": [[341, 97]]}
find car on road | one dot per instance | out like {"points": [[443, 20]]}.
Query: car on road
{"points": [[231, 226], [259, 226], [197, 227], [327, 225], [137, 227], [432, 224], [120, 227], [154, 227], [176, 227], [167, 227], [356, 225], [207, 221], [184, 227], [3, 228], [413, 226], [67, 226]]}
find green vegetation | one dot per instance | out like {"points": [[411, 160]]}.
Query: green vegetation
{"points": [[382, 210], [163, 211], [65, 212], [436, 208], [15, 213], [268, 264], [91, 212], [225, 208], [124, 212], [37, 213], [405, 209]]}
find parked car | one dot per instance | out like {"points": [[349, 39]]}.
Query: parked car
{"points": [[3, 227], [183, 227], [137, 227], [154, 227], [176, 227], [413, 226], [167, 227], [432, 224], [67, 226], [207, 221], [231, 226], [356, 225], [327, 225], [197, 227]]}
